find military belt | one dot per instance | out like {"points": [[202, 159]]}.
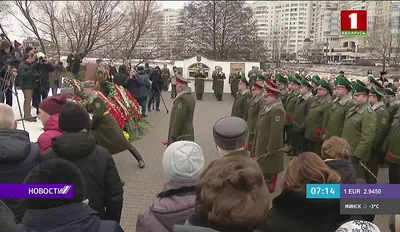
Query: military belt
{"points": [[219, 79]]}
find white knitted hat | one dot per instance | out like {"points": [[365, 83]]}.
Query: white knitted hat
{"points": [[358, 225], [183, 161]]}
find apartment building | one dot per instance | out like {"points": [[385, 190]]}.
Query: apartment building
{"points": [[161, 39], [287, 21]]}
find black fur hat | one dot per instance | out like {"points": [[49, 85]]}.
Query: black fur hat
{"points": [[55, 171]]}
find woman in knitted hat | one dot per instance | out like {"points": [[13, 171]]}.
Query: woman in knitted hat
{"points": [[49, 110], [183, 163]]}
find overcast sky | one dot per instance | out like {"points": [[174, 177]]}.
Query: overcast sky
{"points": [[16, 32]]}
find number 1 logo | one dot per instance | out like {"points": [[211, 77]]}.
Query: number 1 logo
{"points": [[353, 23]]}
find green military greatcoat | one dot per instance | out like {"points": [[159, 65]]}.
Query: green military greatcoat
{"points": [[240, 105], [252, 75], [300, 112], [336, 116], [167, 78], [318, 113], [269, 138], [284, 95], [255, 105], [359, 131], [382, 128], [290, 104], [234, 82], [392, 109], [199, 83], [219, 79], [181, 119], [105, 128], [393, 148]]}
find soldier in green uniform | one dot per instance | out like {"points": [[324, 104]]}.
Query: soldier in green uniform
{"points": [[167, 77], [219, 84], [282, 82], [294, 86], [382, 128], [317, 115], [299, 117], [268, 140], [214, 76], [392, 103], [373, 82], [393, 149], [234, 79], [199, 83], [252, 75], [359, 129], [314, 83], [260, 79], [104, 126], [181, 119], [256, 102], [240, 105], [333, 125]]}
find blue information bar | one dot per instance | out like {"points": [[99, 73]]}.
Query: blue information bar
{"points": [[323, 191], [352, 191]]}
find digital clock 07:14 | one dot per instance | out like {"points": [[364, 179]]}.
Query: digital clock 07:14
{"points": [[323, 191]]}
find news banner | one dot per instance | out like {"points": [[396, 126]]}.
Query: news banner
{"points": [[359, 199], [26, 191]]}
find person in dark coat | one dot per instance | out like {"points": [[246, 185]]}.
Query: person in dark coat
{"points": [[29, 76], [104, 126], [133, 84], [74, 64], [78, 146], [336, 154], [41, 92], [291, 211], [144, 89], [6, 58], [62, 215], [17, 156], [120, 78], [156, 87], [7, 222]]}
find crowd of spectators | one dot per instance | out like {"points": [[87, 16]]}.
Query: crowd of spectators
{"points": [[229, 194]]}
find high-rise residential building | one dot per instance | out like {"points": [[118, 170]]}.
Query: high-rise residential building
{"points": [[289, 22], [161, 39]]}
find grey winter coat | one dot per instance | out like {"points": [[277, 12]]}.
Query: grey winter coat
{"points": [[164, 213], [55, 77]]}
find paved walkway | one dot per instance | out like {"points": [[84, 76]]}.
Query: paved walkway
{"points": [[142, 186]]}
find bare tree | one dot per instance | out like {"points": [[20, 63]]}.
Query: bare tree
{"points": [[139, 23], [379, 42], [26, 8], [279, 41], [88, 25], [47, 24], [217, 29], [306, 50]]}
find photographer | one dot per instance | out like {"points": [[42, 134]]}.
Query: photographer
{"points": [[74, 63], [55, 77], [29, 82], [156, 87], [138, 86], [43, 68], [7, 68]]}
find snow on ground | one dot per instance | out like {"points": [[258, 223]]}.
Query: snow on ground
{"points": [[33, 128]]}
